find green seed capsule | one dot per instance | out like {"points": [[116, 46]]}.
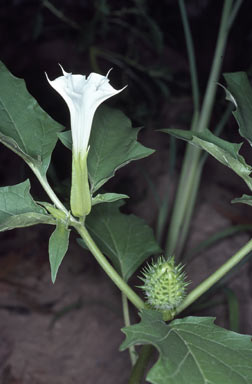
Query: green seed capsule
{"points": [[164, 285]]}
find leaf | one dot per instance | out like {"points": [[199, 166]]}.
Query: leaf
{"points": [[25, 127], [126, 239], [58, 246], [107, 198], [112, 143], [25, 220], [192, 350], [239, 91], [246, 199], [225, 152], [66, 139], [18, 209]]}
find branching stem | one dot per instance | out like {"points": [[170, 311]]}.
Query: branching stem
{"points": [[190, 170], [215, 277]]}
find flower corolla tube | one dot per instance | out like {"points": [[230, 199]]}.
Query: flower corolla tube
{"points": [[83, 96]]}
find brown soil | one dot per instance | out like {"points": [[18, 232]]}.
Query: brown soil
{"points": [[70, 332]]}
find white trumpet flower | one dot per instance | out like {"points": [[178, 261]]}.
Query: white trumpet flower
{"points": [[83, 96]]}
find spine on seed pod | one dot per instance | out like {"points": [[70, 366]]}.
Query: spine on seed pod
{"points": [[164, 286]]}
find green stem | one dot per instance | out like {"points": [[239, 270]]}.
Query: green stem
{"points": [[107, 267], [191, 55], [189, 173], [189, 210], [126, 317], [195, 185], [215, 277], [186, 181], [140, 366], [166, 202], [115, 277], [43, 181], [207, 105], [60, 15], [192, 155]]}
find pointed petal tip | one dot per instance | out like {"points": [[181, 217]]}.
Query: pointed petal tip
{"points": [[109, 72], [118, 90], [49, 81], [63, 71]]}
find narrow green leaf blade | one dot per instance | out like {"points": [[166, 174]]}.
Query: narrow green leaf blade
{"points": [[126, 239], [245, 199], [58, 246], [225, 152], [241, 95], [113, 144], [192, 350], [108, 198], [18, 209], [25, 127]]}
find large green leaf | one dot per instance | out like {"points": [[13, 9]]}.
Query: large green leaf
{"points": [[239, 91], [18, 209], [126, 239], [225, 152], [25, 127], [58, 246], [113, 144], [193, 350]]}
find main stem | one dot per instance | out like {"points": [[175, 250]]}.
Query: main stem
{"points": [[189, 173], [139, 368], [107, 267]]}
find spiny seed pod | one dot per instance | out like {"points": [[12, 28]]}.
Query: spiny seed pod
{"points": [[164, 284]]}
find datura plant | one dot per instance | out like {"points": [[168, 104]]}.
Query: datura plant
{"points": [[191, 349]]}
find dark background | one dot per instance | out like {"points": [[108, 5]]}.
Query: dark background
{"points": [[143, 40]]}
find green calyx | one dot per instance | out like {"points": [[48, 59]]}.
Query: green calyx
{"points": [[164, 285], [80, 199]]}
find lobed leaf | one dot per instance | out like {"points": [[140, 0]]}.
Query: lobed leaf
{"points": [[25, 127], [192, 350], [239, 91], [126, 239], [18, 209], [113, 144], [25, 220]]}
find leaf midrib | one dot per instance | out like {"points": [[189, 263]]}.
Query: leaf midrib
{"points": [[14, 124]]}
